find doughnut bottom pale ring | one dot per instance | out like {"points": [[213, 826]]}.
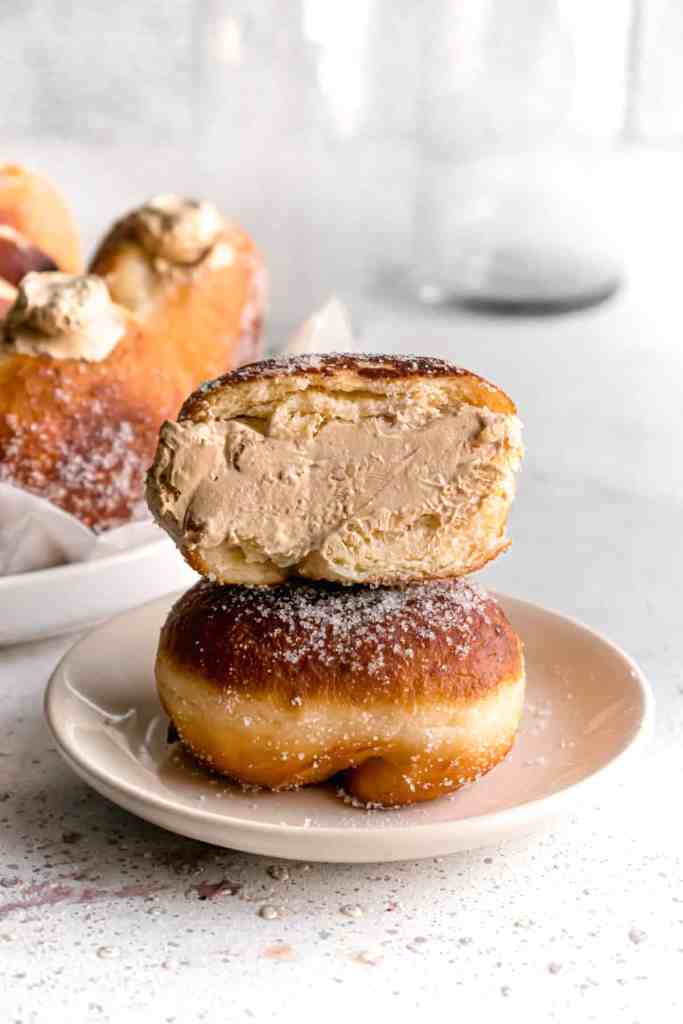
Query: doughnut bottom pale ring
{"points": [[405, 694]]}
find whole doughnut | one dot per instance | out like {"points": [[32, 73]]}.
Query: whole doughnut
{"points": [[409, 693]]}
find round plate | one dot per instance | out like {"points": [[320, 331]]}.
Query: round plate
{"points": [[588, 705], [66, 598]]}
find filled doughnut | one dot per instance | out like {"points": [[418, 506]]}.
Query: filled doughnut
{"points": [[349, 468], [404, 694], [84, 386], [192, 277]]}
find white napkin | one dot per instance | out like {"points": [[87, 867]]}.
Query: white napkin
{"points": [[326, 330], [35, 534]]}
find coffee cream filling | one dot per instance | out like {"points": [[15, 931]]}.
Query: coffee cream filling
{"points": [[64, 316], [318, 476]]}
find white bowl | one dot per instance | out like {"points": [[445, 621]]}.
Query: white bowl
{"points": [[47, 602]]}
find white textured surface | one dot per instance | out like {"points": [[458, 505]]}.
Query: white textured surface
{"points": [[100, 914]]}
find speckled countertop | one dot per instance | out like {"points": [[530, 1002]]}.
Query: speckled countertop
{"points": [[106, 918]]}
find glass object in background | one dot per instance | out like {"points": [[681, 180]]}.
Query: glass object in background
{"points": [[307, 129], [507, 215]]}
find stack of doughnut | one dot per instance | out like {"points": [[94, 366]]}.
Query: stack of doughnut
{"points": [[334, 506], [92, 364]]}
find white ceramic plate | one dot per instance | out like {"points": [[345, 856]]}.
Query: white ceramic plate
{"points": [[36, 605], [588, 706]]}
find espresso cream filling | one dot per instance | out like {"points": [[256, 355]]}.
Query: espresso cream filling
{"points": [[64, 316], [277, 487]]}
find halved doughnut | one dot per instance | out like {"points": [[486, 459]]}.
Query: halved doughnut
{"points": [[349, 468]]}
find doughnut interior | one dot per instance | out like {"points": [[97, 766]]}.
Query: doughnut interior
{"points": [[357, 469], [405, 694]]}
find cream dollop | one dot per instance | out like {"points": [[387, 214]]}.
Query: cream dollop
{"points": [[65, 316], [178, 230]]}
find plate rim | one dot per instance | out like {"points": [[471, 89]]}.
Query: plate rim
{"points": [[62, 572], [528, 812]]}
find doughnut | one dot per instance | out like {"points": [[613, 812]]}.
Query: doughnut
{"points": [[402, 694], [346, 468], [192, 277], [38, 231], [85, 382]]}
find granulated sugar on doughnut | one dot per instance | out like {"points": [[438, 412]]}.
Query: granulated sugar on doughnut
{"points": [[405, 694]]}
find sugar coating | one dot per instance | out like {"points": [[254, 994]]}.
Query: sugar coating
{"points": [[91, 477], [289, 365], [332, 625], [293, 684]]}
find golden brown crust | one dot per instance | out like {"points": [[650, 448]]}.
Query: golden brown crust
{"points": [[347, 370], [386, 782], [33, 206], [424, 642], [82, 434], [409, 694]]}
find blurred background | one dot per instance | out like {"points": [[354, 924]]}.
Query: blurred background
{"points": [[424, 161], [368, 146]]}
